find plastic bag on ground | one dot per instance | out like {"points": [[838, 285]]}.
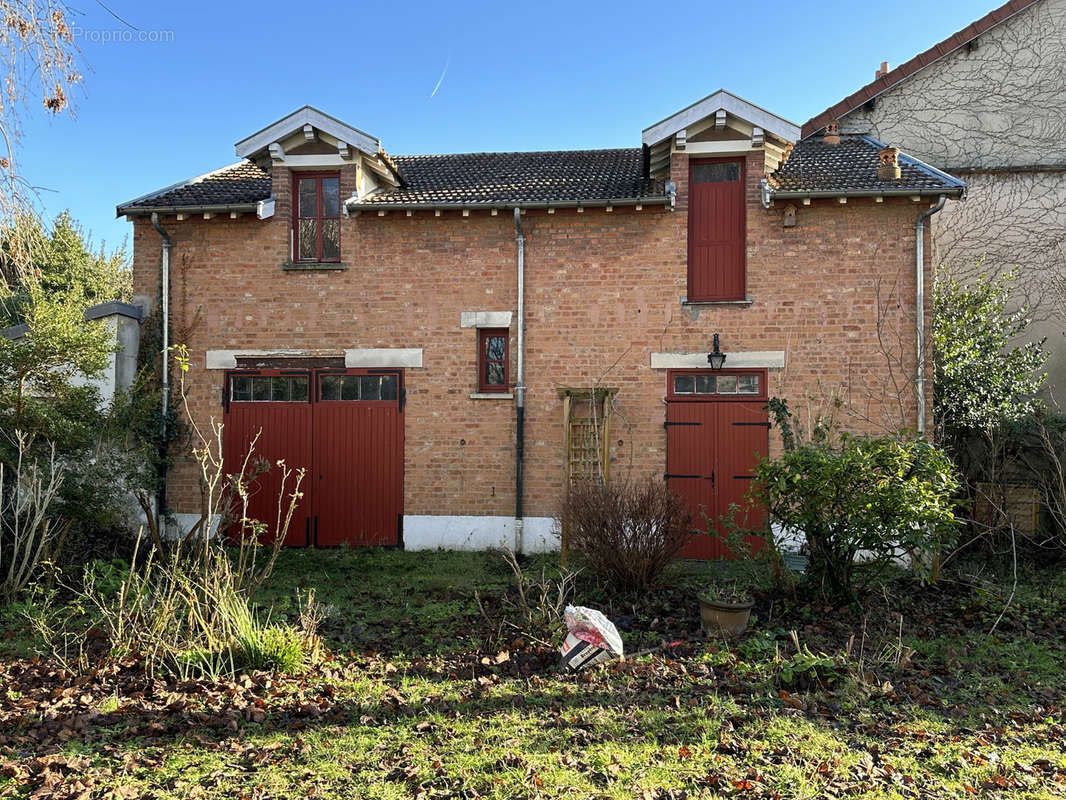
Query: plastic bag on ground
{"points": [[591, 638]]}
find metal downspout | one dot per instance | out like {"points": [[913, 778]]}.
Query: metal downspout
{"points": [[919, 267], [520, 384], [161, 503]]}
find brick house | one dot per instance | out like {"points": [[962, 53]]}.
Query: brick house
{"points": [[366, 311]]}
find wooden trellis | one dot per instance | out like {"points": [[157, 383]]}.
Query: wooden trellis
{"points": [[586, 440]]}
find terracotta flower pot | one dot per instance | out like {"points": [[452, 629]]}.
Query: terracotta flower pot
{"points": [[724, 619]]}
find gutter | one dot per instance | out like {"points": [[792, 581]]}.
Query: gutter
{"points": [[658, 200], [241, 207], [161, 504], [957, 192], [520, 384], [919, 325]]}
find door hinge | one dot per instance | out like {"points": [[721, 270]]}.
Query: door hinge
{"points": [[669, 423], [668, 476], [743, 477], [754, 424]]}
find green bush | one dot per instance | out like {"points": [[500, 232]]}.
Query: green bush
{"points": [[865, 499]]}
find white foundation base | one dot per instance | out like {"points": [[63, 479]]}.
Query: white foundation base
{"points": [[431, 532]]}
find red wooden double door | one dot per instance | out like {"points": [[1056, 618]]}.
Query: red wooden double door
{"points": [[716, 433], [345, 427]]}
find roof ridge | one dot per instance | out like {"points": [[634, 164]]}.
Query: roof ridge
{"points": [[914, 65], [520, 152]]}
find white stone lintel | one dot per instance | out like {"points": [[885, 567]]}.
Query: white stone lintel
{"points": [[227, 359], [384, 357], [753, 359], [485, 319]]}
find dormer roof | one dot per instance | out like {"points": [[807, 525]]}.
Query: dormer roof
{"points": [[258, 144], [709, 106]]}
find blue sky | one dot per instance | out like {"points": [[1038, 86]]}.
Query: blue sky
{"points": [[520, 76]]}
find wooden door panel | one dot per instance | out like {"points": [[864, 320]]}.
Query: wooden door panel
{"points": [[743, 438], [284, 431], [358, 469], [690, 435], [712, 448], [716, 230]]}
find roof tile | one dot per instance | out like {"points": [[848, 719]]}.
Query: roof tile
{"points": [[851, 166], [545, 176], [242, 183]]}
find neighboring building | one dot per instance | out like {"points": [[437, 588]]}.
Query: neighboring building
{"points": [[124, 321], [363, 310], [988, 104]]}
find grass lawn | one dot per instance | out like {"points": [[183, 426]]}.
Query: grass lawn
{"points": [[420, 696]]}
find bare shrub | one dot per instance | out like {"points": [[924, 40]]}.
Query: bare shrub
{"points": [[628, 532], [535, 610], [28, 527]]}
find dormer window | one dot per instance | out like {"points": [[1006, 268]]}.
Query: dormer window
{"points": [[316, 228]]}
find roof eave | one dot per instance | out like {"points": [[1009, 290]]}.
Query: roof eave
{"points": [[655, 200], [122, 211], [955, 191]]}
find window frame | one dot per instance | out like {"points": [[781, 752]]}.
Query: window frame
{"points": [[233, 374], [762, 374], [356, 372], [482, 361], [319, 217], [693, 162]]}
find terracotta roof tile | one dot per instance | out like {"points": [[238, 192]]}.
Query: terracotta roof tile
{"points": [[851, 166]]}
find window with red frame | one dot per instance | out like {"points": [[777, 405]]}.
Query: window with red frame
{"points": [[492, 359], [317, 217]]}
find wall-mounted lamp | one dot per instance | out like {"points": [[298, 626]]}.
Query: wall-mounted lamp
{"points": [[716, 358]]}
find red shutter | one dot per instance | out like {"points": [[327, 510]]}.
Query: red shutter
{"points": [[716, 229]]}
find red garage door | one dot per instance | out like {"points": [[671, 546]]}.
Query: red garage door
{"points": [[345, 427], [716, 432]]}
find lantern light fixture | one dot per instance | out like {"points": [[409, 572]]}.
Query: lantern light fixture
{"points": [[716, 358]]}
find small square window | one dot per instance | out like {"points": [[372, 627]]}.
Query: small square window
{"points": [[331, 387], [492, 359], [683, 384], [747, 384], [704, 384], [388, 387], [261, 390], [370, 387], [241, 389], [349, 387], [727, 384]]}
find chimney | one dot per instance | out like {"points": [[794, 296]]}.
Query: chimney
{"points": [[888, 168], [831, 135], [882, 71]]}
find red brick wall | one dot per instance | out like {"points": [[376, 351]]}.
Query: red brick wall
{"points": [[603, 293]]}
